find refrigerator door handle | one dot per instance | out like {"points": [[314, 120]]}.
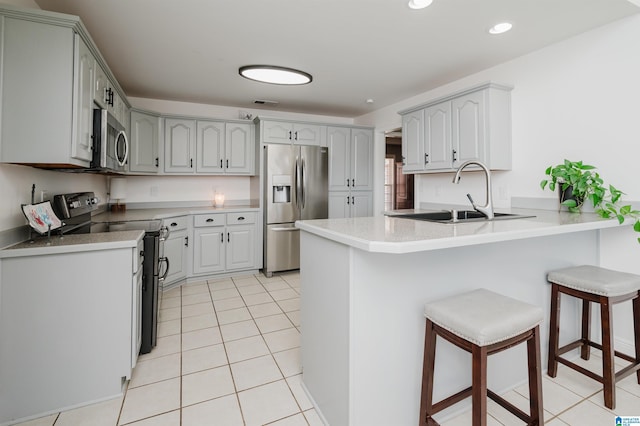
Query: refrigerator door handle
{"points": [[303, 187], [298, 183]]}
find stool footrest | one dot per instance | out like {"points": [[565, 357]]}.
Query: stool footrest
{"points": [[453, 399], [509, 406]]}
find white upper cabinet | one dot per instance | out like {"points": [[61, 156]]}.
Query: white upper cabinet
{"points": [[286, 132], [350, 158], [239, 149], [48, 70], [179, 145], [101, 87], [143, 137], [208, 147], [473, 124], [85, 66], [211, 144]]}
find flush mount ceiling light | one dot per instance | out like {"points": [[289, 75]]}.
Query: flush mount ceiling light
{"points": [[419, 4], [275, 74], [500, 28]]}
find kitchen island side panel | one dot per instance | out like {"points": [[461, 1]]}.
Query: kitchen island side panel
{"points": [[387, 293], [324, 310]]}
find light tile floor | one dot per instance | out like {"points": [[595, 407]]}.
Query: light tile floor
{"points": [[228, 354]]}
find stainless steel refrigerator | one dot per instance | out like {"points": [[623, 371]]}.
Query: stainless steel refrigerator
{"points": [[296, 187]]}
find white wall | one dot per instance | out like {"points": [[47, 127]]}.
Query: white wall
{"points": [[577, 99]]}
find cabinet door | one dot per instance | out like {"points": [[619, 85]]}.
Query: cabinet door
{"points": [[179, 145], [437, 137], [361, 204], [307, 134], [239, 149], [175, 249], [276, 132], [339, 204], [100, 87], [241, 241], [144, 142], [86, 65], [413, 155], [468, 128], [208, 249], [361, 157], [210, 152], [338, 141]]}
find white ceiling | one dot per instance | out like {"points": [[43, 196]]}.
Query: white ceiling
{"points": [[190, 50]]}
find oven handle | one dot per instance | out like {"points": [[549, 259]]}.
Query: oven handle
{"points": [[164, 260], [164, 233]]}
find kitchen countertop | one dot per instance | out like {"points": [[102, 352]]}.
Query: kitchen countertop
{"points": [[74, 243], [391, 234]]}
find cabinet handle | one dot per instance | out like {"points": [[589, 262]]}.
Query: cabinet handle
{"points": [[353, 200], [186, 241], [157, 164], [191, 163], [228, 237], [455, 153], [241, 218], [296, 135], [290, 136], [227, 164], [347, 183], [426, 159], [348, 200], [209, 220], [353, 183], [222, 238], [174, 224], [221, 163]]}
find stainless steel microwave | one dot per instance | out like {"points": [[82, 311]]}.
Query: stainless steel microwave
{"points": [[110, 143]]}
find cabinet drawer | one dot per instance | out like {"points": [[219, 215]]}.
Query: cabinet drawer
{"points": [[215, 219], [241, 218], [175, 223]]}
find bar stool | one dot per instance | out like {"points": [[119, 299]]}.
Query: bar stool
{"points": [[483, 323], [606, 287]]}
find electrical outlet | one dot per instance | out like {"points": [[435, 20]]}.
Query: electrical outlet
{"points": [[44, 195]]}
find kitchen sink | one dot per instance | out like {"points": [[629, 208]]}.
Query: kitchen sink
{"points": [[457, 216]]}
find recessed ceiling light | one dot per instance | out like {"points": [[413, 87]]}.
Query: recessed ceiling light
{"points": [[500, 28], [275, 74], [419, 4]]}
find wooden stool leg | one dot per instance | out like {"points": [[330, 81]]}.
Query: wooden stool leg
{"points": [[426, 403], [554, 331], [636, 330], [585, 350], [535, 379], [608, 367], [479, 385]]}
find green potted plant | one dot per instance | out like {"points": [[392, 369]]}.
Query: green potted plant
{"points": [[578, 182]]}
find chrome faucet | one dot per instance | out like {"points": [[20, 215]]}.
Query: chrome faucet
{"points": [[487, 209]]}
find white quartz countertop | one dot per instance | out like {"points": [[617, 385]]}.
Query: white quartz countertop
{"points": [[392, 234], [42, 245], [163, 213]]}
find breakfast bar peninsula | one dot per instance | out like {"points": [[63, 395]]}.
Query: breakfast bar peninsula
{"points": [[364, 283]]}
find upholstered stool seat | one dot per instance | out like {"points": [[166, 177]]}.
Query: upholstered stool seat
{"points": [[606, 287], [482, 322]]}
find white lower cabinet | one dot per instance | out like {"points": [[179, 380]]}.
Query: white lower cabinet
{"points": [[350, 204], [224, 242], [176, 248], [66, 337], [136, 304]]}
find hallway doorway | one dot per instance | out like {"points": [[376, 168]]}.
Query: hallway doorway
{"points": [[398, 187]]}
